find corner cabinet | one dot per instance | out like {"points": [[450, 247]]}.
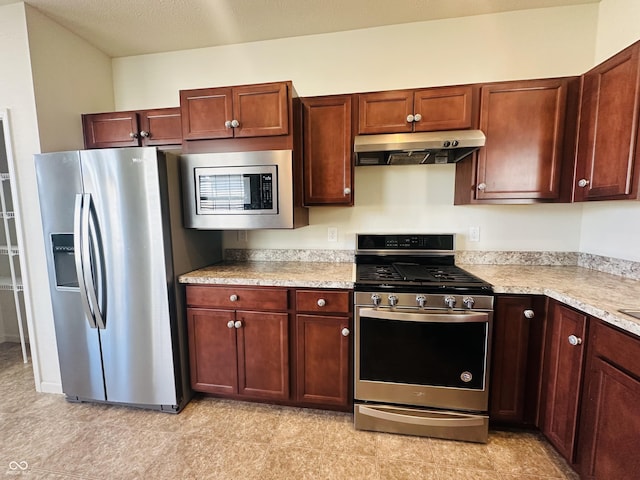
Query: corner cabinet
{"points": [[424, 110], [518, 331], [328, 150], [562, 377], [526, 149], [608, 158], [141, 128]]}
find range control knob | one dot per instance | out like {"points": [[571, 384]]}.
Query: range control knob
{"points": [[450, 301], [375, 299], [393, 300], [421, 300], [446, 144], [455, 143], [468, 302]]}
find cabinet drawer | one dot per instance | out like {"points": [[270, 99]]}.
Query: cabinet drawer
{"points": [[323, 301], [616, 347], [237, 298]]}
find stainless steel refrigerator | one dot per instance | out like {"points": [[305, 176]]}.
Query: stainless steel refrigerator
{"points": [[115, 246]]}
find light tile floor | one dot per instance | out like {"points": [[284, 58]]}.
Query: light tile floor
{"points": [[44, 437]]}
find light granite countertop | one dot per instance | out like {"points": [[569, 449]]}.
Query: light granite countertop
{"points": [[595, 293]]}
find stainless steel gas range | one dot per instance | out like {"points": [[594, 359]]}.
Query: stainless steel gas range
{"points": [[422, 339]]}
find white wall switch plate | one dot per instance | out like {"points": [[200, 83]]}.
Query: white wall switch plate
{"points": [[474, 234]]}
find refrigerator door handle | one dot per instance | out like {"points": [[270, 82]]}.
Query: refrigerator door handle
{"points": [[78, 233], [92, 270]]}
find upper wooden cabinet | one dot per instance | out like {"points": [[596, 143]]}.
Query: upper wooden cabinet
{"points": [[522, 160], [607, 159], [399, 111], [156, 127], [236, 112], [328, 150]]}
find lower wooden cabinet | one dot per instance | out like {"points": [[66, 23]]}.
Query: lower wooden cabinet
{"points": [[610, 425], [562, 376], [239, 353], [518, 327], [242, 344]]}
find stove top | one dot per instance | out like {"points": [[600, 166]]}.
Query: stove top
{"points": [[412, 263]]}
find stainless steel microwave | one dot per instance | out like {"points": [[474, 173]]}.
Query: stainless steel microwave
{"points": [[240, 191]]}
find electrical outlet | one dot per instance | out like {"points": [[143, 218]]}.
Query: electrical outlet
{"points": [[332, 234], [242, 235], [474, 234]]}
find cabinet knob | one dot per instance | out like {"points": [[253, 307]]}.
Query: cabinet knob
{"points": [[410, 118], [238, 324], [417, 117], [345, 332], [145, 134], [233, 298], [227, 124], [230, 324], [482, 186], [583, 182], [347, 191], [573, 340], [321, 302], [235, 123], [529, 313], [133, 135]]}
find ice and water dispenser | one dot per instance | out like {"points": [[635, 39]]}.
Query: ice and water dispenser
{"points": [[64, 260]]}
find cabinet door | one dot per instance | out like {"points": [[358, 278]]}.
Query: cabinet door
{"points": [[524, 125], [204, 113], [607, 143], [516, 353], [322, 360], [114, 129], [263, 354], [446, 108], [261, 110], [212, 351], [160, 127], [385, 112], [562, 377], [328, 150], [610, 424]]}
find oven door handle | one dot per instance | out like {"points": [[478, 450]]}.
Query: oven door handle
{"points": [[424, 316], [459, 420]]}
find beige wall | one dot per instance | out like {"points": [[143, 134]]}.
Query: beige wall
{"points": [[530, 44], [613, 228]]}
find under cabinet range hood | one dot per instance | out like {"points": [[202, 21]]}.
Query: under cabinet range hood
{"points": [[417, 148]]}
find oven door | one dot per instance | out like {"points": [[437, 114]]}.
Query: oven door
{"points": [[426, 358]]}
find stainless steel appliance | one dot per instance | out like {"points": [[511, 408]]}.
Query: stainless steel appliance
{"points": [[417, 148], [242, 190], [422, 339], [115, 244]]}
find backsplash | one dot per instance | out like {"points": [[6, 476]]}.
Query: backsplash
{"points": [[614, 266]]}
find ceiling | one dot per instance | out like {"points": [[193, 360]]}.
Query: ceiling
{"points": [[124, 27]]}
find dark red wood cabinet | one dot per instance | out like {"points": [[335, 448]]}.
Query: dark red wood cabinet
{"points": [[328, 150], [140, 128], [516, 354], [424, 110], [323, 348], [607, 164]]}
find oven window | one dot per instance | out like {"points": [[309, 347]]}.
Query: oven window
{"points": [[423, 353]]}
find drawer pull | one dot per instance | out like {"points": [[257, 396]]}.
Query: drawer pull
{"points": [[233, 298], [573, 340], [345, 332], [529, 314], [321, 302]]}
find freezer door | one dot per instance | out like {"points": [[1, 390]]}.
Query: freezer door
{"points": [[127, 191], [59, 181]]}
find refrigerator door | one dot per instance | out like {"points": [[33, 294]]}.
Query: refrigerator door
{"points": [[59, 182], [127, 191]]}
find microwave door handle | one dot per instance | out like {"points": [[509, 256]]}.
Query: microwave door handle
{"points": [[424, 316], [79, 231]]}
